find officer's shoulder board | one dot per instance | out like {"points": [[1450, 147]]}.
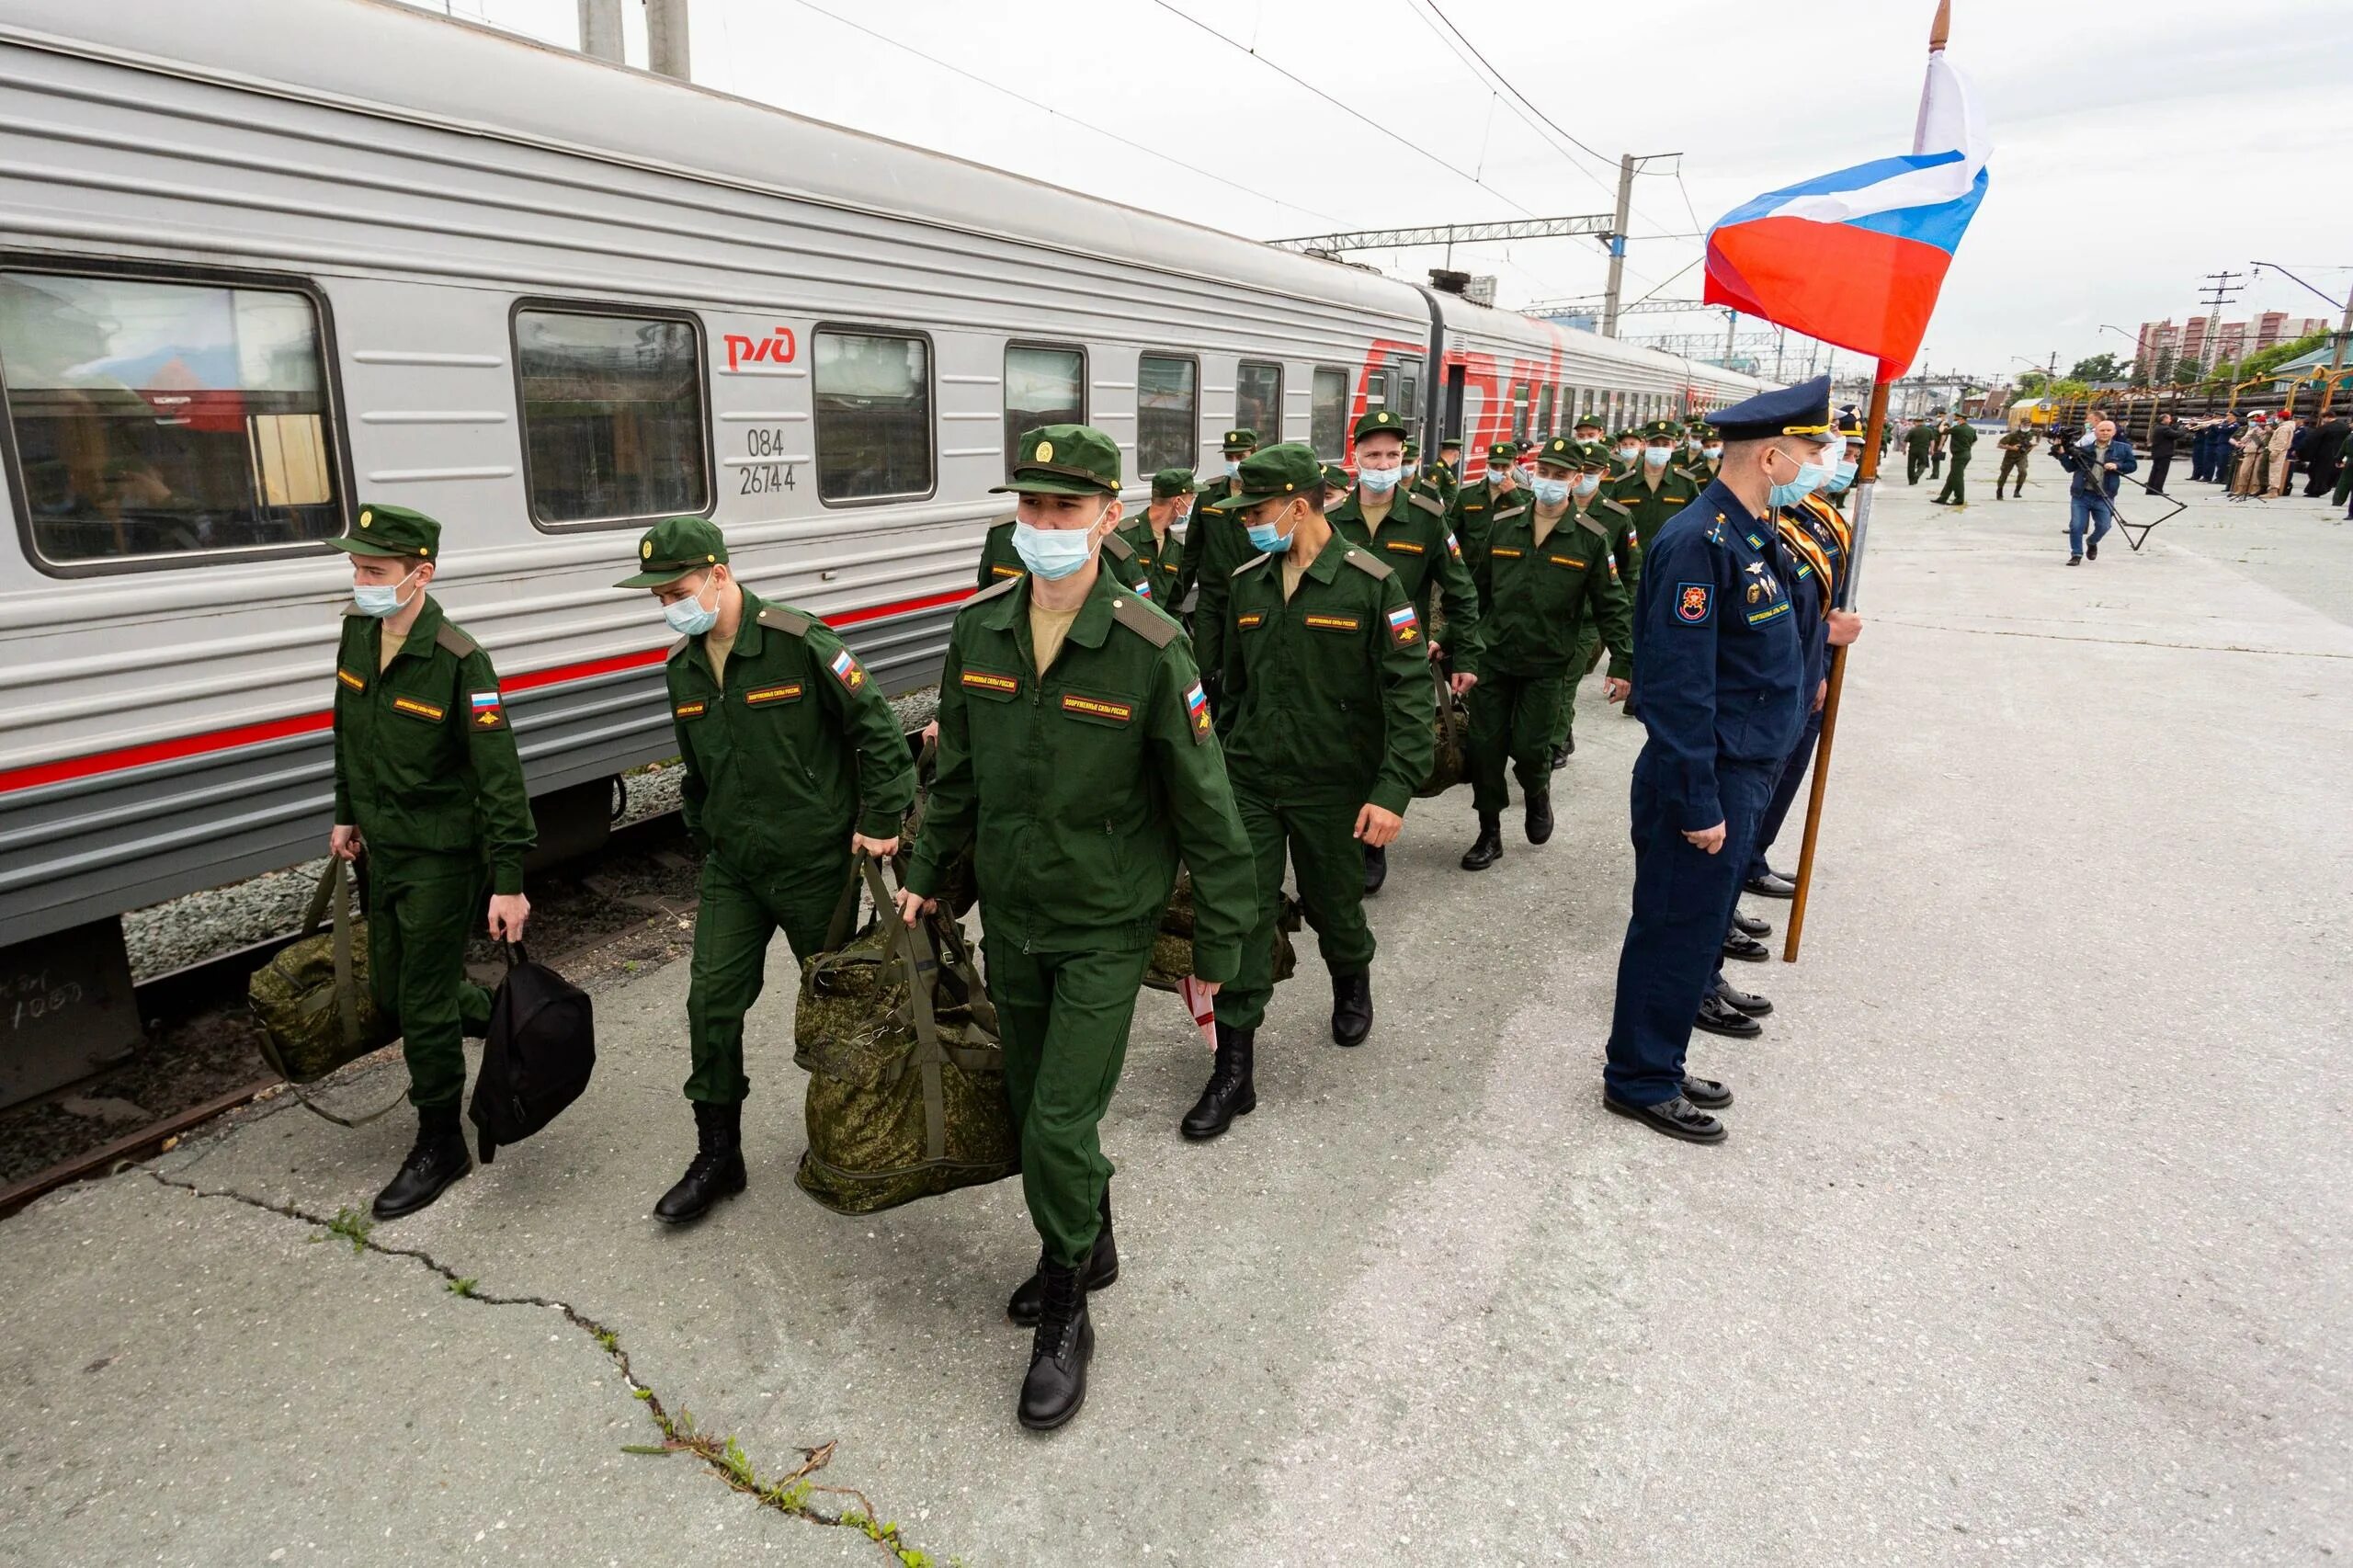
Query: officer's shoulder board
{"points": [[1117, 547], [1258, 560], [447, 636], [792, 623], [995, 591], [1146, 622], [1377, 570]]}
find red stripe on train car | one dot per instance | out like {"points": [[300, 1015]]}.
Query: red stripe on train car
{"points": [[64, 769]]}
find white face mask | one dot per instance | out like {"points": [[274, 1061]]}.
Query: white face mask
{"points": [[1380, 480]]}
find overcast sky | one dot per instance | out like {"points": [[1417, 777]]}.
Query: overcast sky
{"points": [[2136, 146]]}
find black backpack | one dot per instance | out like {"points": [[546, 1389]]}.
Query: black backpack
{"points": [[538, 1056]]}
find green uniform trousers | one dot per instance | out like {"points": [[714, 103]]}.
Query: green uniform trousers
{"points": [[2012, 463], [1580, 666], [421, 909], [1063, 1019], [1320, 839], [737, 918], [1915, 465], [1512, 716], [1956, 488]]}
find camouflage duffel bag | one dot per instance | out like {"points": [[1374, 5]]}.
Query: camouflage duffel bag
{"points": [[1172, 944], [1451, 760], [311, 1000], [959, 890], [907, 1080]]}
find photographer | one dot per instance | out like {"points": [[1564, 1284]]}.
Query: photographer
{"points": [[2098, 458]]}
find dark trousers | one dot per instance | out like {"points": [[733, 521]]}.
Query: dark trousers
{"points": [[1956, 489], [1063, 1019], [2158, 467], [1683, 903], [1512, 716], [1320, 842], [2013, 465], [737, 918], [1785, 793], [421, 909], [1915, 465]]}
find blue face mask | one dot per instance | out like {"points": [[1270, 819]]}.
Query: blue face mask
{"points": [[1232, 466], [1844, 477], [1053, 553], [1380, 480], [1587, 483], [1656, 455], [378, 600], [1811, 478], [1551, 491], [688, 618], [1265, 540]]}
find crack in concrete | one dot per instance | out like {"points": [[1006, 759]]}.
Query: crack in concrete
{"points": [[2112, 642], [723, 1457]]}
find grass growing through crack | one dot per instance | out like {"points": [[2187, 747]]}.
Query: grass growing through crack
{"points": [[351, 1226]]}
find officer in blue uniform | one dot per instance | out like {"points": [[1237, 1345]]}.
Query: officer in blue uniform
{"points": [[1720, 694]]}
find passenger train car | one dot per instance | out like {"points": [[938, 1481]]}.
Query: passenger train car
{"points": [[262, 260]]}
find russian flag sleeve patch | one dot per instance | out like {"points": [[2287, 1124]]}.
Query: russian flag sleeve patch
{"points": [[1197, 712], [1405, 627]]}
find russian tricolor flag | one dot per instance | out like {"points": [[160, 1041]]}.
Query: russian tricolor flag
{"points": [[1855, 258]]}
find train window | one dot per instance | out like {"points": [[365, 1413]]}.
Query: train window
{"points": [[1376, 391], [1169, 419], [155, 418], [873, 401], [1519, 411], [1258, 400], [1328, 424], [1042, 386], [1408, 400], [1544, 412], [612, 414]]}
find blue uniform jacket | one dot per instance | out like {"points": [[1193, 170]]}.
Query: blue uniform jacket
{"points": [[1721, 659]]}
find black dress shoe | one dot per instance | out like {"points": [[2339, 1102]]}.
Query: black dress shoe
{"points": [[1749, 950], [2075, 561], [1718, 1017], [1772, 884], [1749, 926], [1741, 1001], [1706, 1093], [1539, 816], [1677, 1117], [1351, 1008], [1376, 869], [1560, 757], [1488, 847], [1028, 1303], [1229, 1093], [1059, 1353], [439, 1159], [715, 1172]]}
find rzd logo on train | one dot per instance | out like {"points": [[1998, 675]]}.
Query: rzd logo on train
{"points": [[776, 349]]}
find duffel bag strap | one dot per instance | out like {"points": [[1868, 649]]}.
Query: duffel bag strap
{"points": [[837, 929], [956, 956], [922, 974]]}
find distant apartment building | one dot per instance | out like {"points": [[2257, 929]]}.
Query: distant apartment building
{"points": [[2163, 341]]}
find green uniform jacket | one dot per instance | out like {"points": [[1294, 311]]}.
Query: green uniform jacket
{"points": [[1000, 561], [1216, 543], [797, 749], [1539, 597], [1081, 790], [1647, 511], [1417, 544], [1918, 439], [1964, 438], [1159, 565], [1472, 505], [423, 757], [1205, 524], [1328, 697]]}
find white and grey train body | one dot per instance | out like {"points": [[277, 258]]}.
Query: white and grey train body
{"points": [[263, 259]]}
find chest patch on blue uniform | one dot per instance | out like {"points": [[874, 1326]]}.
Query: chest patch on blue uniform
{"points": [[1692, 601], [1755, 542], [1779, 606]]}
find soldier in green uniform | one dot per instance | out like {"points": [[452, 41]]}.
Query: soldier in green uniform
{"points": [[1159, 549], [2016, 446], [1447, 470], [794, 760], [1592, 467], [1708, 453], [1213, 548], [1653, 491], [1406, 529], [1918, 442], [1326, 727], [1625, 453], [1000, 563], [1541, 574], [428, 785], [1476, 503], [1336, 483], [1077, 758], [1961, 438]]}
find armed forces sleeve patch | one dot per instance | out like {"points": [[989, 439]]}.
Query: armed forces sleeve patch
{"points": [[1405, 627], [488, 713], [1693, 601], [847, 671], [1197, 712]]}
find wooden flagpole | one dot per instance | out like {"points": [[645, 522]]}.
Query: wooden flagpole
{"points": [[1865, 485]]}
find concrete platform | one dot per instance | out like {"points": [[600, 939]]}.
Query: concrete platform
{"points": [[2030, 1244]]}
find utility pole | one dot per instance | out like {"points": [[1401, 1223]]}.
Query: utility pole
{"points": [[1628, 165], [600, 30], [1732, 327], [666, 39], [2223, 287]]}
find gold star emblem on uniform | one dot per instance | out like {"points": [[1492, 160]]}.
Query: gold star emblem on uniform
{"points": [[1045, 452]]}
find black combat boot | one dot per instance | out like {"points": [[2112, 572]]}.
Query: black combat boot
{"points": [[1064, 1343], [1488, 847], [1376, 869], [1561, 754], [1230, 1093], [1102, 1269], [1539, 815], [717, 1169], [1351, 1008], [439, 1159]]}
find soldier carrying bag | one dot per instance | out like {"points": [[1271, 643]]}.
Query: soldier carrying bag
{"points": [[538, 1056], [1450, 761], [1172, 943], [907, 1080], [311, 1002]]}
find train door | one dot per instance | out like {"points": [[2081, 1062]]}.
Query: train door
{"points": [[1457, 380]]}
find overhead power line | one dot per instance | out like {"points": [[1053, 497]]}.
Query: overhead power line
{"points": [[1450, 233]]}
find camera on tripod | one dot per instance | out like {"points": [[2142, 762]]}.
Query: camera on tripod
{"points": [[2062, 437]]}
